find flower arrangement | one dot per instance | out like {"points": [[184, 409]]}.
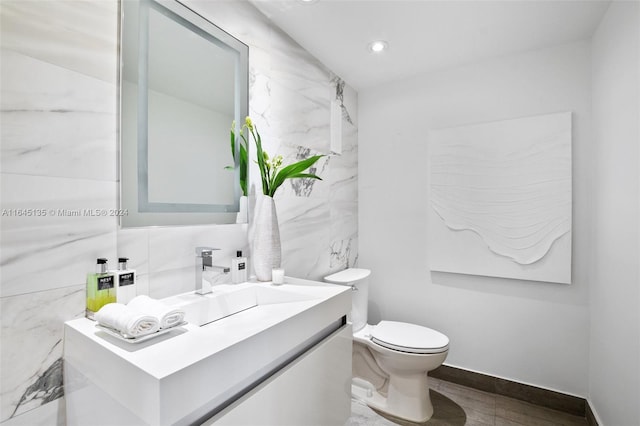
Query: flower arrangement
{"points": [[272, 173]]}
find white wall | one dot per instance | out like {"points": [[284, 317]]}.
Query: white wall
{"points": [[530, 332], [614, 373]]}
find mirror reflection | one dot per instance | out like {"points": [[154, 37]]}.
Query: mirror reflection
{"points": [[183, 82]]}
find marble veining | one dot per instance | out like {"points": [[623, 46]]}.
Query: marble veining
{"points": [[343, 178], [31, 348], [303, 233], [48, 387], [50, 414], [340, 83], [76, 35], [304, 187], [296, 119], [342, 254], [55, 122], [57, 248]]}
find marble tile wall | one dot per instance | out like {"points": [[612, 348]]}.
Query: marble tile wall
{"points": [[59, 156]]}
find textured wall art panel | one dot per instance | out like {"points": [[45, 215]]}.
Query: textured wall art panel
{"points": [[500, 197]]}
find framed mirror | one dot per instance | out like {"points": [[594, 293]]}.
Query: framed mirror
{"points": [[183, 81]]}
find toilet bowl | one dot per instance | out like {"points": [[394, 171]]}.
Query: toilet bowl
{"points": [[390, 359]]}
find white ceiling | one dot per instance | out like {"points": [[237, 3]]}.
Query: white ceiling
{"points": [[426, 35]]}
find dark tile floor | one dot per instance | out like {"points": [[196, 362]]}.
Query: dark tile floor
{"points": [[457, 405]]}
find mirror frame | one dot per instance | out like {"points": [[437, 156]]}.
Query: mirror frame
{"points": [[199, 25]]}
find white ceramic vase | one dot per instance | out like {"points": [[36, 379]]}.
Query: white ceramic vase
{"points": [[266, 249]]}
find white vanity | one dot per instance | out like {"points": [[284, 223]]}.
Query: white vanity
{"points": [[284, 361]]}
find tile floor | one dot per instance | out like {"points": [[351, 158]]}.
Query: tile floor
{"points": [[456, 405]]}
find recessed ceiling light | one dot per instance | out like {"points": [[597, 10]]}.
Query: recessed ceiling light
{"points": [[307, 1], [378, 46]]}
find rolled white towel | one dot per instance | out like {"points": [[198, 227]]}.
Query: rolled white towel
{"points": [[168, 316], [127, 321]]}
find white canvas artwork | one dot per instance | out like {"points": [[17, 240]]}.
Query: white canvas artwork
{"points": [[500, 199]]}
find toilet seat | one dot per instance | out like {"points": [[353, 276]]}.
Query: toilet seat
{"points": [[411, 338]]}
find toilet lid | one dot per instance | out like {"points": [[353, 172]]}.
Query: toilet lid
{"points": [[405, 337]]}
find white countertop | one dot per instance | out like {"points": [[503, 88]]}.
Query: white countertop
{"points": [[192, 366]]}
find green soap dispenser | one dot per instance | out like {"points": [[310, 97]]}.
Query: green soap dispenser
{"points": [[101, 288]]}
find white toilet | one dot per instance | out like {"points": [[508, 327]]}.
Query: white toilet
{"points": [[390, 359]]}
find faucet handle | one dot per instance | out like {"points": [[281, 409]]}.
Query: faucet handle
{"points": [[205, 251]]}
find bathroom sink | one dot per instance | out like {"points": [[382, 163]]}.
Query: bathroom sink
{"points": [[229, 299], [260, 330]]}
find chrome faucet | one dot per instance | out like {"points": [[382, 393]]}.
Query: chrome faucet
{"points": [[204, 261]]}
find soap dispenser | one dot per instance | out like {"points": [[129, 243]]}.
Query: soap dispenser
{"points": [[238, 268], [125, 282], [101, 288]]}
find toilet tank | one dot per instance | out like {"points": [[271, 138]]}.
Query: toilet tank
{"points": [[358, 280]]}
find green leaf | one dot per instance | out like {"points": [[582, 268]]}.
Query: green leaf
{"points": [[233, 144], [292, 171], [260, 157], [244, 165], [305, 176], [243, 162]]}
